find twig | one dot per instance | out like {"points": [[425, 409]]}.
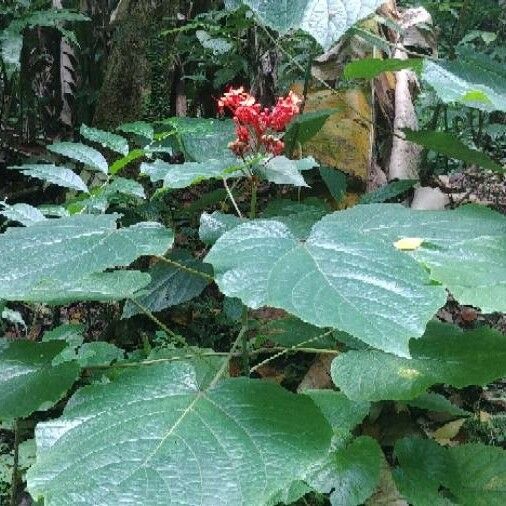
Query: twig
{"points": [[164, 327], [231, 197], [14, 480], [298, 347]]}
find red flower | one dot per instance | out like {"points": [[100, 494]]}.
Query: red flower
{"points": [[255, 127]]}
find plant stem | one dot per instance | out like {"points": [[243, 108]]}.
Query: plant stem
{"points": [[154, 319], [231, 197], [244, 342], [185, 268], [253, 207], [240, 337], [14, 479], [298, 347]]}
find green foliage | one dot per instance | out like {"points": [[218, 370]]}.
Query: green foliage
{"points": [[89, 244], [369, 68], [445, 143], [184, 433], [167, 421], [29, 382], [326, 22], [474, 80], [443, 355], [473, 474]]}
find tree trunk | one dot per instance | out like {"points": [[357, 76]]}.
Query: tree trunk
{"points": [[128, 80]]}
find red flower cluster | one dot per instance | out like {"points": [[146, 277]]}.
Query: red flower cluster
{"points": [[255, 126]]}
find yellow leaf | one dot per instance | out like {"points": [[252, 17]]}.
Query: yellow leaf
{"points": [[449, 431], [345, 140], [408, 243]]}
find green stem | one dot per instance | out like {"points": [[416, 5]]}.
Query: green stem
{"points": [[298, 347], [244, 342], [253, 207], [14, 480], [185, 268], [277, 350], [154, 319]]}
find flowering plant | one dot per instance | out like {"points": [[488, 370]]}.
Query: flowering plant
{"points": [[258, 129]]}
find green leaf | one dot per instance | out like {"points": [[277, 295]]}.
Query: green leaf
{"points": [[61, 176], [474, 271], [171, 284], [90, 157], [69, 249], [204, 139], [337, 278], [218, 45], [342, 413], [140, 128], [438, 403], [281, 170], [299, 217], [28, 382], [22, 213], [125, 187], [369, 68], [443, 355], [213, 226], [11, 43], [304, 127], [335, 180], [108, 140], [98, 353], [166, 434], [99, 287], [389, 191], [71, 333], [473, 79], [186, 174], [447, 144], [474, 474], [326, 20], [121, 163], [351, 474]]}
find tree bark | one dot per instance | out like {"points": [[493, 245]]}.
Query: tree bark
{"points": [[127, 83]]}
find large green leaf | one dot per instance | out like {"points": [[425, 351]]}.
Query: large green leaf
{"points": [[449, 145], [172, 284], [337, 278], [472, 79], [22, 213], [299, 217], [90, 157], [369, 68], [443, 355], [472, 474], [106, 139], [473, 270], [61, 176], [163, 435], [65, 250], [325, 20], [347, 274], [99, 287], [351, 474], [213, 226], [28, 381], [188, 173]]}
